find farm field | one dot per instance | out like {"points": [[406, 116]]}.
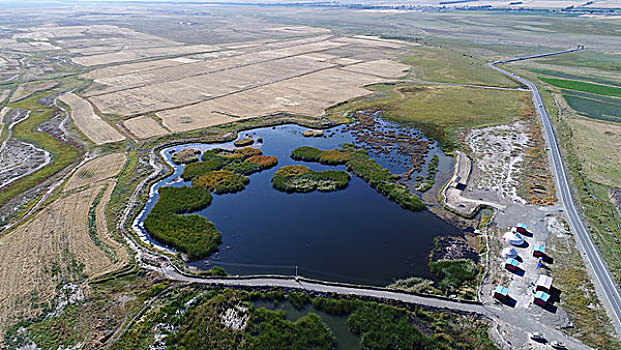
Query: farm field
{"points": [[89, 122], [62, 244], [584, 86], [301, 76]]}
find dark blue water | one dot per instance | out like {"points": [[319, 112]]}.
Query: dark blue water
{"points": [[355, 235]]}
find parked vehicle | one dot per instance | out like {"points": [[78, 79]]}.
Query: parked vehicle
{"points": [[558, 345], [536, 336]]}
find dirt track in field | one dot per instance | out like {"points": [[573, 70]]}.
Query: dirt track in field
{"points": [[89, 122]]}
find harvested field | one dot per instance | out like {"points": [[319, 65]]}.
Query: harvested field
{"points": [[25, 90], [57, 246], [144, 127], [156, 97], [137, 54], [382, 68], [88, 122], [307, 95], [96, 170]]}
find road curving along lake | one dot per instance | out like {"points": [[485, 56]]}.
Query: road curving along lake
{"points": [[352, 235]]}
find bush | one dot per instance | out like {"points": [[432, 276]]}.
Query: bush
{"points": [[221, 181], [298, 178], [192, 234], [298, 299]]}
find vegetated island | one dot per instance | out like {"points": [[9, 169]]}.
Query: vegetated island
{"points": [[359, 163], [298, 178], [192, 234], [219, 171], [186, 156]]}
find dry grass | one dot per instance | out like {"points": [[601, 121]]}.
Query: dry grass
{"points": [[144, 127], [55, 247], [4, 94], [88, 122], [597, 145]]}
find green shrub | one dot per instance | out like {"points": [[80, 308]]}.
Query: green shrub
{"points": [[453, 274], [274, 332], [384, 327], [298, 299]]}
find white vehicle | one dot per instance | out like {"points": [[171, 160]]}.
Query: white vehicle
{"points": [[558, 345], [536, 336]]}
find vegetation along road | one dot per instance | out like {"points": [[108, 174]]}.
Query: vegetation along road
{"points": [[608, 292]]}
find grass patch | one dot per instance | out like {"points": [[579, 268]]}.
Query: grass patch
{"points": [[221, 181], [583, 86], [301, 179], [192, 234], [442, 112]]}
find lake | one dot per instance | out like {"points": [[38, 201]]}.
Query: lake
{"points": [[355, 235]]}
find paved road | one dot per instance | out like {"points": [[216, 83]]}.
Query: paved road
{"points": [[604, 284]]}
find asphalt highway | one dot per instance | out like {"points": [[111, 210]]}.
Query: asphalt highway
{"points": [[602, 278]]}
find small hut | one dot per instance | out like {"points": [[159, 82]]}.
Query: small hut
{"points": [[544, 283], [501, 293], [541, 298], [511, 265], [539, 251]]}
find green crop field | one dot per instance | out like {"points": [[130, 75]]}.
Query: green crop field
{"points": [[583, 86]]}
